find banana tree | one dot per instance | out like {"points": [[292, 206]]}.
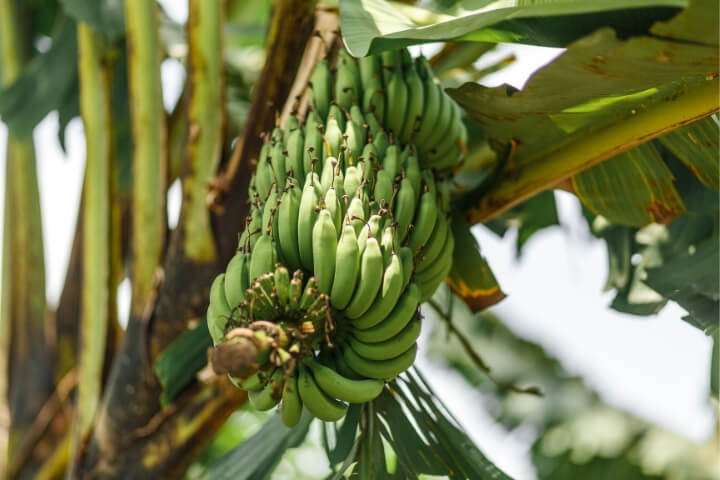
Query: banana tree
{"points": [[625, 118]]}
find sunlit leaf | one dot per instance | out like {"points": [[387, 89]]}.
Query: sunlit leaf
{"points": [[634, 188], [470, 277], [370, 26], [601, 97]]}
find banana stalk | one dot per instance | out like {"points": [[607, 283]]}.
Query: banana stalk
{"points": [[149, 164]]}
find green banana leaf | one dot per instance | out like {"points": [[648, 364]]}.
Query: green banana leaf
{"points": [[470, 277], [583, 107], [371, 26], [48, 82], [257, 457], [634, 188], [105, 16], [178, 364]]}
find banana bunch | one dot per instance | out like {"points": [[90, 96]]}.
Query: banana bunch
{"points": [[402, 95], [362, 214]]}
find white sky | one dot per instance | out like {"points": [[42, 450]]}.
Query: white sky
{"points": [[657, 368]]}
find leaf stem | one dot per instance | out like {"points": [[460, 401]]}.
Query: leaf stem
{"points": [[149, 148], [542, 173]]}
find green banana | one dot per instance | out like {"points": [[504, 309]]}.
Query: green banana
{"points": [[263, 171], [380, 369], [236, 281], [337, 386], [356, 214], [371, 274], [262, 258], [391, 348], [404, 208], [408, 264], [391, 63], [415, 104], [253, 382], [288, 213], [354, 141], [401, 315], [318, 403], [218, 311], [397, 99], [434, 246], [291, 406], [268, 396], [347, 267], [425, 219], [348, 86], [370, 68], [333, 137], [352, 181], [295, 290], [321, 88], [295, 147], [383, 188], [282, 285], [332, 203], [306, 220], [374, 98], [391, 161], [324, 245], [387, 297]]}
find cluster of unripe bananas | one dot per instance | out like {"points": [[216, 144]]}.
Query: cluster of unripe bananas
{"points": [[348, 233]]}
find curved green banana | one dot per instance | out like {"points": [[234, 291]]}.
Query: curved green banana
{"points": [[321, 88], [391, 161], [347, 267], [288, 213], [397, 99], [291, 406], [401, 315], [295, 147], [353, 179], [374, 98], [387, 297], [425, 219], [404, 208], [253, 382], [236, 281], [333, 137], [318, 403], [434, 247], [262, 258], [268, 396], [356, 214], [324, 245], [348, 86], [391, 348], [380, 369], [218, 311], [371, 274], [383, 188], [282, 285], [415, 104], [306, 221], [337, 386], [408, 264]]}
